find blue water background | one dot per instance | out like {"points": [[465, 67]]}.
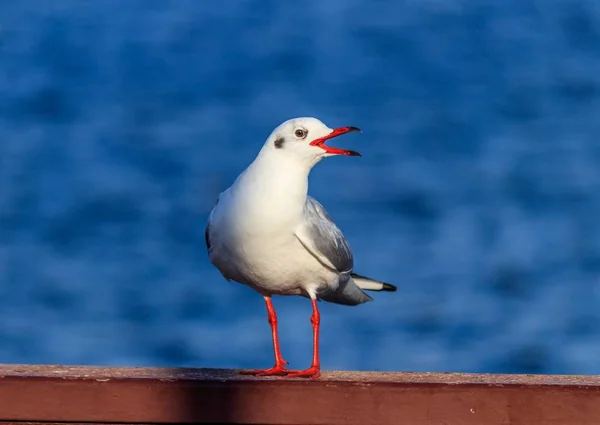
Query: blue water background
{"points": [[478, 194]]}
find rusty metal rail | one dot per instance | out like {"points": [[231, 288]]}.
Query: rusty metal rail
{"points": [[59, 394]]}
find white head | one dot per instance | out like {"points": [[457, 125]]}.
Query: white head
{"points": [[304, 139]]}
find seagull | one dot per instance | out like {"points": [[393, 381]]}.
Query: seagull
{"points": [[266, 232]]}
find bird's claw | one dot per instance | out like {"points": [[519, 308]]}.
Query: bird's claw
{"points": [[280, 370], [266, 372], [277, 370], [311, 372]]}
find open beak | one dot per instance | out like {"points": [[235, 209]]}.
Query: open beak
{"points": [[336, 132]]}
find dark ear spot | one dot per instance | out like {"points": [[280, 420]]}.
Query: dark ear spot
{"points": [[279, 142]]}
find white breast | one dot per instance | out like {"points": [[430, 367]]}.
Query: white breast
{"points": [[252, 231]]}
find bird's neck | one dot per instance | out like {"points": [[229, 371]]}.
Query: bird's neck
{"points": [[278, 182]]}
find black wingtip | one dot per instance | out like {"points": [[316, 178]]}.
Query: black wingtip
{"points": [[389, 288]]}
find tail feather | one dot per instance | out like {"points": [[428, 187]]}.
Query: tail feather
{"points": [[347, 293], [351, 290], [371, 284]]}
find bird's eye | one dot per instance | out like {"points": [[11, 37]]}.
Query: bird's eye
{"points": [[300, 133]]}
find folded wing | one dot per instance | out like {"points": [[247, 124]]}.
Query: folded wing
{"points": [[323, 239]]}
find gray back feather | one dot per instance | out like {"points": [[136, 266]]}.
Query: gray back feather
{"points": [[327, 237]]}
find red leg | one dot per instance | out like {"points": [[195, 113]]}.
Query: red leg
{"points": [[315, 370], [279, 368]]}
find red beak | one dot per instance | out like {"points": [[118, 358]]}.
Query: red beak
{"points": [[336, 132]]}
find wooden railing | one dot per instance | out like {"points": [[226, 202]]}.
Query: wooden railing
{"points": [[60, 394]]}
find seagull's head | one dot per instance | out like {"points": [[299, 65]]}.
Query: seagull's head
{"points": [[305, 139]]}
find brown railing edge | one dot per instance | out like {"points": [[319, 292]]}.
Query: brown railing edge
{"points": [[74, 394]]}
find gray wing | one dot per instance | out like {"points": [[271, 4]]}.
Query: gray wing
{"points": [[207, 228], [323, 239], [207, 236]]}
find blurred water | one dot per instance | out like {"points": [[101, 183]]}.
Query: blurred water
{"points": [[477, 193]]}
